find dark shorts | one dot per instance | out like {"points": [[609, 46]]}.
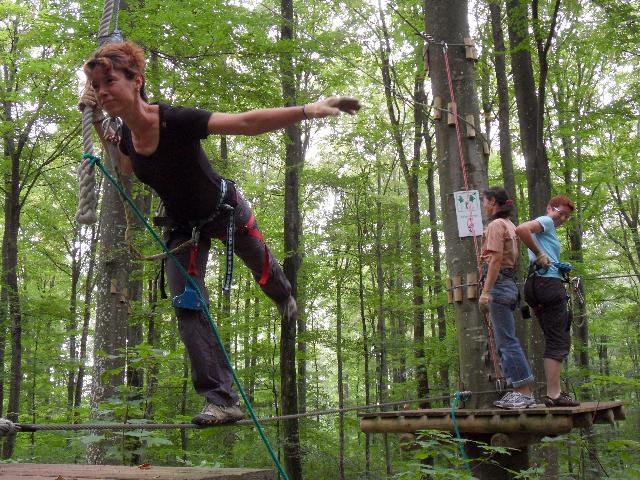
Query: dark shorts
{"points": [[548, 299]]}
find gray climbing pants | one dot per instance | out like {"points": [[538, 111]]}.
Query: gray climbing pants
{"points": [[211, 376]]}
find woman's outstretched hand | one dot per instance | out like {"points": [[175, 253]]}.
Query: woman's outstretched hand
{"points": [[332, 106]]}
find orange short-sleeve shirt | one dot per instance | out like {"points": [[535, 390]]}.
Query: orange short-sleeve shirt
{"points": [[500, 236]]}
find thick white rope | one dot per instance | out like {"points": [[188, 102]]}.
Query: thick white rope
{"points": [[87, 199]]}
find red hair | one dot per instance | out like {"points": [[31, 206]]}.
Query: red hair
{"points": [[127, 57], [561, 200]]}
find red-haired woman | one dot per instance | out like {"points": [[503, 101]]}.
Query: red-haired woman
{"points": [[161, 145], [545, 293]]}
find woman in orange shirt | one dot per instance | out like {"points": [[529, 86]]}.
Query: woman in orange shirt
{"points": [[499, 296]]}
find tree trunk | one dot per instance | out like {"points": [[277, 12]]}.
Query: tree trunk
{"points": [[292, 231], [504, 132], [436, 258], [339, 268], [381, 349], [10, 283], [365, 339], [111, 310], [72, 322], [410, 173], [537, 163], [86, 317], [447, 22]]}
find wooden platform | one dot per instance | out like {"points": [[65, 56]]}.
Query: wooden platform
{"points": [[32, 471], [537, 420]]}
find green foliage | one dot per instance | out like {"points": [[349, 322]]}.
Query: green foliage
{"points": [[225, 56]]}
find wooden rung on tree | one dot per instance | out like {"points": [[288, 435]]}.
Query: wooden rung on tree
{"points": [[451, 114], [437, 108], [485, 147], [457, 288], [470, 50], [472, 285], [449, 291], [471, 125]]}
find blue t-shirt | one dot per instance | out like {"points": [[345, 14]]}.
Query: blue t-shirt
{"points": [[549, 245]]}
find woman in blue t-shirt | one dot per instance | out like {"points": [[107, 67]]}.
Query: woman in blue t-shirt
{"points": [[161, 145], [544, 291]]}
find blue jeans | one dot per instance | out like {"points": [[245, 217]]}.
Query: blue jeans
{"points": [[504, 298]]}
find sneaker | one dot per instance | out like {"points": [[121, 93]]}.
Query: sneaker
{"points": [[289, 308], [217, 414], [505, 398], [515, 401], [563, 400]]}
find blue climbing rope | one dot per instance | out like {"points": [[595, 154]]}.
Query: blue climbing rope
{"points": [[96, 161], [454, 422]]}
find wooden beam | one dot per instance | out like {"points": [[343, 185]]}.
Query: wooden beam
{"points": [[96, 472]]}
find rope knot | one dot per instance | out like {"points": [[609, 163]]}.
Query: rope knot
{"points": [[8, 427], [93, 159]]}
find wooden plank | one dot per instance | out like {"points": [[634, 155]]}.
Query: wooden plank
{"points": [[27, 471]]}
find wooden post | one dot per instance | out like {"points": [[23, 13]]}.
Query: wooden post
{"points": [[470, 50], [457, 288]]}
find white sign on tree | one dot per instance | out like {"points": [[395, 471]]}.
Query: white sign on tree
{"points": [[468, 213]]}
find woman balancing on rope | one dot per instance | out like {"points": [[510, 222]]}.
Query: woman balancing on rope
{"points": [[546, 294], [161, 144], [500, 295]]}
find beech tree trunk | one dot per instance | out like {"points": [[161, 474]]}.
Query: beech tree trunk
{"points": [[111, 310], [292, 231], [447, 21]]}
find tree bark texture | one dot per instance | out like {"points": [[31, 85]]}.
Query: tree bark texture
{"points": [[112, 308], [537, 163], [292, 231], [446, 21]]}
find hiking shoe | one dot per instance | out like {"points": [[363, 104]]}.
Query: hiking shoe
{"points": [[217, 414], [289, 308], [506, 397], [515, 401], [563, 400]]}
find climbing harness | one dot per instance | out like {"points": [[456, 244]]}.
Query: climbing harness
{"points": [[189, 298], [96, 161]]}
